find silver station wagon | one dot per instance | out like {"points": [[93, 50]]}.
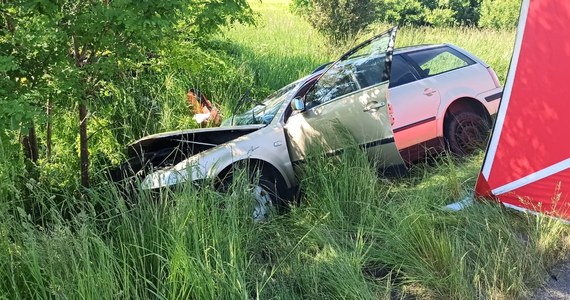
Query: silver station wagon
{"points": [[395, 104]]}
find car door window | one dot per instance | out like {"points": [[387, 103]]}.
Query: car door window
{"points": [[337, 82], [401, 73], [358, 70], [439, 60]]}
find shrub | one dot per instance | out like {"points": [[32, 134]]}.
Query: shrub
{"points": [[499, 13], [440, 17], [429, 12], [338, 20], [401, 12], [467, 12]]}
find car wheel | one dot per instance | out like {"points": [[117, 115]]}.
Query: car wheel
{"points": [[265, 197], [466, 132], [266, 190]]}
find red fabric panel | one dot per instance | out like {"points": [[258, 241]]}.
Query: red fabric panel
{"points": [[536, 128], [549, 195], [482, 188]]}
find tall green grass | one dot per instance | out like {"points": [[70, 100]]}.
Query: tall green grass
{"points": [[194, 244], [281, 49], [284, 47], [353, 237]]}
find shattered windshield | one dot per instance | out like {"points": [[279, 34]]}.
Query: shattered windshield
{"points": [[262, 113]]}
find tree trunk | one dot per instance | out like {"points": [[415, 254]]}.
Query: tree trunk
{"points": [[48, 131], [83, 146], [9, 21], [83, 139], [30, 144]]}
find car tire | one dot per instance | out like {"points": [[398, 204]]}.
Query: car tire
{"points": [[267, 191], [266, 197], [466, 132]]}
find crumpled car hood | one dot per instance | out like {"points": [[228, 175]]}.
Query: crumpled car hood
{"points": [[212, 137], [166, 149]]}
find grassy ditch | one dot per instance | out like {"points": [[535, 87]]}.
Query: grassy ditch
{"points": [[352, 237]]}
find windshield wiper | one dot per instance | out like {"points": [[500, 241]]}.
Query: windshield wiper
{"points": [[239, 104]]}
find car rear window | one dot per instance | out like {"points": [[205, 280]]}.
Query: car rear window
{"points": [[439, 60]]}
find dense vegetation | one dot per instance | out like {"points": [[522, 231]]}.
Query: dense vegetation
{"points": [[353, 236], [67, 54], [341, 20], [482, 13]]}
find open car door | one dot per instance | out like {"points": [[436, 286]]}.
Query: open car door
{"points": [[349, 100]]}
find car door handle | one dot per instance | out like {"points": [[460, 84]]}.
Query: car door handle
{"points": [[429, 92], [374, 106]]}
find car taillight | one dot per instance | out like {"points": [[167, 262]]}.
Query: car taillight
{"points": [[494, 76], [391, 114], [390, 110]]}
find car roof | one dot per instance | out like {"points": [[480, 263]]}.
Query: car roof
{"points": [[417, 47], [413, 48]]}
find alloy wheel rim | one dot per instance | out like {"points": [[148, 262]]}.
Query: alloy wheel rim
{"points": [[469, 136], [262, 204]]}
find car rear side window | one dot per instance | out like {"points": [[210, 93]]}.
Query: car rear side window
{"points": [[401, 72], [439, 60]]}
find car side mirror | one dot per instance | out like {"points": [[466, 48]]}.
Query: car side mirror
{"points": [[298, 104]]}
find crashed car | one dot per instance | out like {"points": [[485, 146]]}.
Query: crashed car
{"points": [[394, 104]]}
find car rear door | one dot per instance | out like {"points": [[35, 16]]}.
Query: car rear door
{"points": [[446, 74], [349, 102], [415, 102]]}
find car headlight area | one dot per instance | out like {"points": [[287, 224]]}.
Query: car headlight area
{"points": [[183, 172]]}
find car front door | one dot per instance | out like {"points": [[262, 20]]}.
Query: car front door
{"points": [[349, 102]]}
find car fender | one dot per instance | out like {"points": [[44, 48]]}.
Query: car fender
{"points": [[451, 97], [267, 145], [209, 164], [240, 151]]}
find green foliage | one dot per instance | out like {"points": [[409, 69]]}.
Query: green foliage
{"points": [[500, 14], [209, 16], [69, 51], [440, 13], [338, 20], [197, 249], [12, 169], [440, 17], [25, 54], [410, 12], [467, 12], [429, 12], [353, 237]]}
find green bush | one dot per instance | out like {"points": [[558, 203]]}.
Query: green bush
{"points": [[401, 12], [467, 12], [440, 17], [331, 18], [338, 20], [429, 12], [499, 14]]}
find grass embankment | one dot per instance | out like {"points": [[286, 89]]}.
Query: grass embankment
{"points": [[352, 237]]}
